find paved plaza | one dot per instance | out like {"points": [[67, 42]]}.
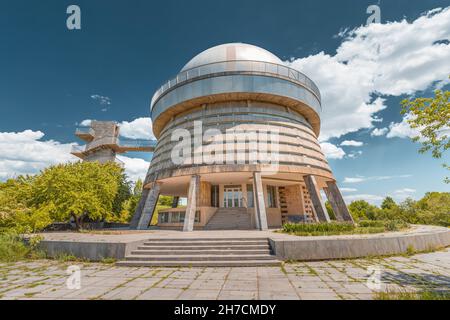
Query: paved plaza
{"points": [[341, 279]]}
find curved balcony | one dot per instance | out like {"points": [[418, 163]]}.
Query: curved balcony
{"points": [[238, 67]]}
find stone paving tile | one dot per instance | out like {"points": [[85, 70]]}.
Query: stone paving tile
{"points": [[207, 284], [199, 294], [318, 296], [237, 295], [278, 295], [312, 280], [160, 294], [242, 285], [123, 293], [142, 282]]}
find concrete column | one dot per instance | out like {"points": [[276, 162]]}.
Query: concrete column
{"points": [[260, 204], [318, 205], [337, 202], [149, 207], [140, 207], [192, 201], [175, 202]]}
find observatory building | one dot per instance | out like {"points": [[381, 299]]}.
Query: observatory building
{"points": [[237, 136]]}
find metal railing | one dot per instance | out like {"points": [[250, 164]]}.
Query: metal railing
{"points": [[256, 67], [136, 143]]}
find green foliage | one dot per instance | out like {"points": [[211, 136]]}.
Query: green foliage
{"points": [[337, 228], [79, 190], [431, 116], [82, 190], [330, 210], [165, 201], [362, 210], [388, 204], [405, 295], [432, 209], [16, 213], [128, 204], [13, 248]]}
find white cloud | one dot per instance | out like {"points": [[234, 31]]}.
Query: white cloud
{"points": [[140, 128], [402, 129], [352, 143], [359, 179], [86, 123], [355, 154], [394, 58], [348, 189], [135, 168], [331, 151], [25, 153], [379, 132], [102, 100], [370, 198], [402, 194]]}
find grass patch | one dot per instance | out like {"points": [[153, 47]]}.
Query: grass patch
{"points": [[403, 295], [13, 248], [108, 260], [342, 228]]}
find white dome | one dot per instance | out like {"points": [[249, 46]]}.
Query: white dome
{"points": [[232, 52]]}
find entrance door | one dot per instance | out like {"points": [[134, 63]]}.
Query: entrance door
{"points": [[232, 197]]}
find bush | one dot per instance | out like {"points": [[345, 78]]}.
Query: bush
{"points": [[12, 248], [318, 228], [337, 228]]}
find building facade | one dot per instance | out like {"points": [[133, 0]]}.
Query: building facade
{"points": [[237, 136]]}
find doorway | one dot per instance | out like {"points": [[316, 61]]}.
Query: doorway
{"points": [[232, 197]]}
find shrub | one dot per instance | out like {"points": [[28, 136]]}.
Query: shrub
{"points": [[318, 228], [12, 248]]}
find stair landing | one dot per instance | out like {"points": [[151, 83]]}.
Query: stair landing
{"points": [[213, 252]]}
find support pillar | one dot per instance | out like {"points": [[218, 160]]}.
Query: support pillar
{"points": [[149, 207], [192, 202], [337, 202], [318, 205], [260, 204], [138, 212], [175, 202]]}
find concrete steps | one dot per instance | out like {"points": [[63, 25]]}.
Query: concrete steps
{"points": [[230, 219], [202, 252]]}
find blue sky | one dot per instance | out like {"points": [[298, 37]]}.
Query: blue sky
{"points": [[52, 78]]}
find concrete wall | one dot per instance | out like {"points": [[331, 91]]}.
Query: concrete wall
{"points": [[323, 248], [93, 251]]}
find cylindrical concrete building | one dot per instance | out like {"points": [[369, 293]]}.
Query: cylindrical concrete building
{"points": [[238, 135]]}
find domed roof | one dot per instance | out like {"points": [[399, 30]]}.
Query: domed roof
{"points": [[232, 52]]}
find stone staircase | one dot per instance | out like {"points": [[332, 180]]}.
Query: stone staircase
{"points": [[211, 252], [229, 219]]}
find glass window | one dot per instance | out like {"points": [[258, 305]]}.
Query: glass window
{"points": [[164, 217], [250, 202], [272, 196], [215, 196]]}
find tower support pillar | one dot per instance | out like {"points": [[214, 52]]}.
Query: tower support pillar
{"points": [[260, 204], [148, 207], [318, 205], [192, 202], [337, 202]]}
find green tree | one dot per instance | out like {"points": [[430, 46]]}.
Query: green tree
{"points": [[434, 208], [431, 116], [362, 210], [78, 190], [165, 201], [388, 203], [16, 214]]}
